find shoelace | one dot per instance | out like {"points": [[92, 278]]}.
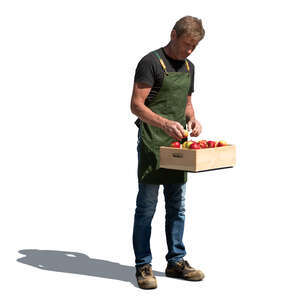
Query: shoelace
{"points": [[146, 270], [184, 264]]}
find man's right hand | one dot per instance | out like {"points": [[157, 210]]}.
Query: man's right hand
{"points": [[174, 129]]}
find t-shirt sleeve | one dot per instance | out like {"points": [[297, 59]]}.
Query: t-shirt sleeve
{"points": [[144, 72], [191, 90]]}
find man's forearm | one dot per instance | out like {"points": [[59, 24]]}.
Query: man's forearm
{"points": [[148, 116]]}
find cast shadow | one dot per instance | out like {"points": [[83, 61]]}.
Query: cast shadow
{"points": [[79, 263]]}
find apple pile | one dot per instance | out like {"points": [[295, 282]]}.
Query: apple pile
{"points": [[202, 144], [198, 145]]}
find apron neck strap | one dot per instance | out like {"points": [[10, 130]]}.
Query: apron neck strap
{"points": [[187, 66], [164, 66], [161, 62]]}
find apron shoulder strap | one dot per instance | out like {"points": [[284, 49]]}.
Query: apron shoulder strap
{"points": [[187, 66], [164, 66], [161, 62]]}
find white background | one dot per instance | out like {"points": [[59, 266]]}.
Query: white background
{"points": [[68, 149]]}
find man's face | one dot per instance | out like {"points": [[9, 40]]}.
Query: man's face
{"points": [[183, 46]]}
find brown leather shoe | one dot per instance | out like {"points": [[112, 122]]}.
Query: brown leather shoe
{"points": [[145, 277], [182, 269]]}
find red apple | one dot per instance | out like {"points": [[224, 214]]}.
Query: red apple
{"points": [[195, 146], [221, 143], [203, 141], [203, 144], [211, 144], [175, 145]]}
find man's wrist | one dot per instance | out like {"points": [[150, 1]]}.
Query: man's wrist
{"points": [[190, 118], [164, 124]]}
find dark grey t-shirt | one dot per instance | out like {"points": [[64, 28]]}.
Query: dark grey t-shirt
{"points": [[150, 71]]}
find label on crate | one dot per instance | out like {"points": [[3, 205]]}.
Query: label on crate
{"points": [[177, 155]]}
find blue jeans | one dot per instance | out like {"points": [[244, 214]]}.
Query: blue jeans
{"points": [[174, 220]]}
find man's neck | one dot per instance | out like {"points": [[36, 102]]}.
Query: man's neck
{"points": [[169, 52]]}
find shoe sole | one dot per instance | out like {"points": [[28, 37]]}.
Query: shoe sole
{"points": [[148, 287], [189, 279]]}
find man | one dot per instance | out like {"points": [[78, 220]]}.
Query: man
{"points": [[161, 98]]}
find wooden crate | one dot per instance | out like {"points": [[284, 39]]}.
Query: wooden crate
{"points": [[198, 159]]}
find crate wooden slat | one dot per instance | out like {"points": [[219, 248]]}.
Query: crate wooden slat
{"points": [[197, 160]]}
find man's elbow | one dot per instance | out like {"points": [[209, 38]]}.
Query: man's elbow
{"points": [[136, 107], [133, 108]]}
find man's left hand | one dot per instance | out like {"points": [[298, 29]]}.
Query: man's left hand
{"points": [[195, 126]]}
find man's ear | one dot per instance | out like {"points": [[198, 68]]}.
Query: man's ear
{"points": [[173, 34]]}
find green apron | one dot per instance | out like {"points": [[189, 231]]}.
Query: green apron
{"points": [[170, 103]]}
